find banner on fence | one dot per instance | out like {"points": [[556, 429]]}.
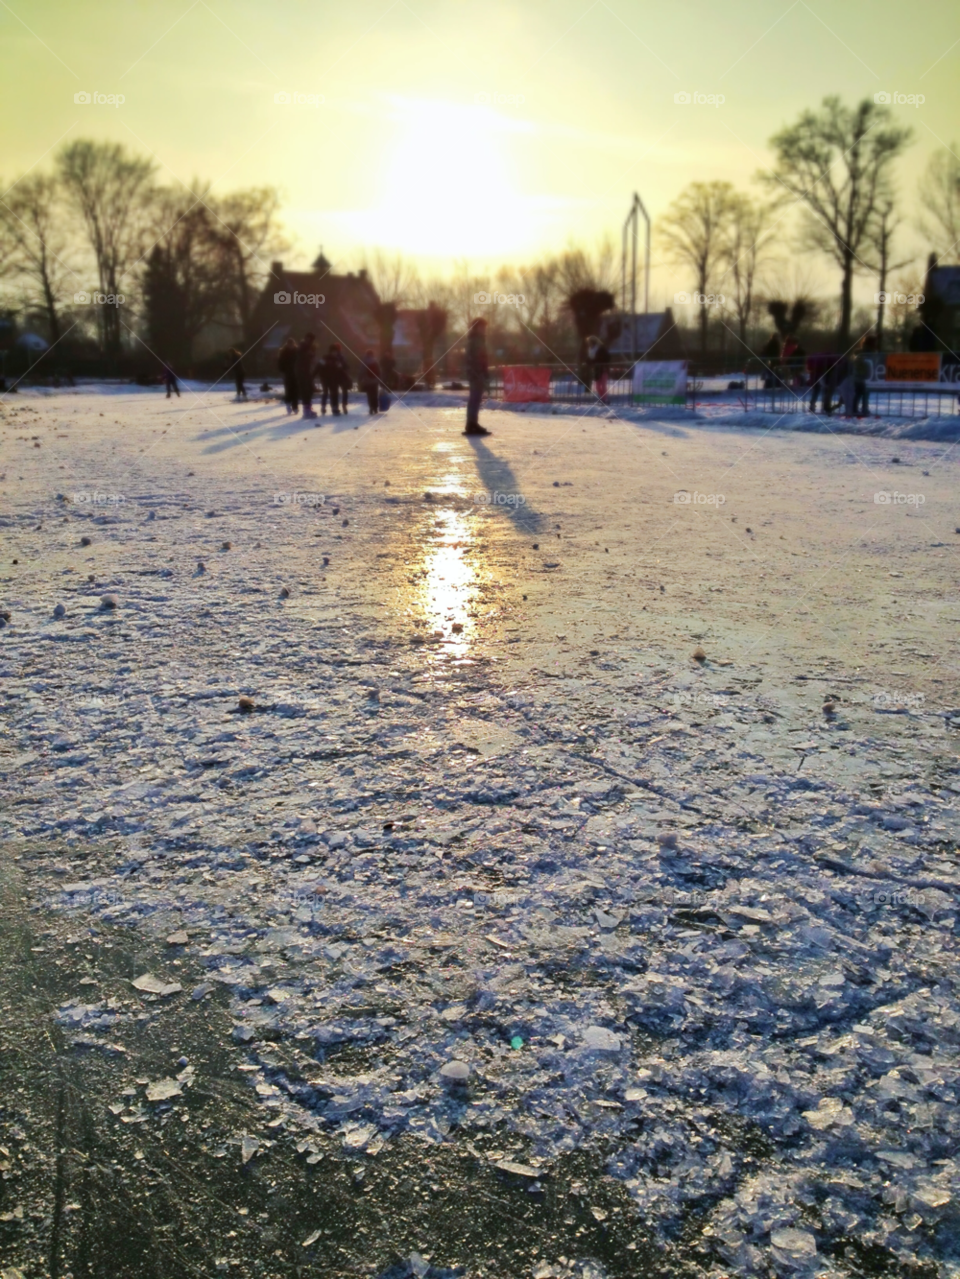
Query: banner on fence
{"points": [[523, 384], [660, 382], [913, 366]]}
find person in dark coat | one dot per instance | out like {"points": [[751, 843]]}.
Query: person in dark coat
{"points": [[334, 380], [477, 369], [862, 373], [599, 354], [287, 364], [170, 381], [342, 376], [306, 362], [236, 368], [369, 381]]}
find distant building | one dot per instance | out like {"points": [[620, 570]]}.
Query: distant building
{"points": [[939, 312], [335, 308], [657, 336]]}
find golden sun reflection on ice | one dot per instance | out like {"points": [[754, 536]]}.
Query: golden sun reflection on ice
{"points": [[448, 583]]}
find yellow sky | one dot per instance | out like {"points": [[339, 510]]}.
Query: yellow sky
{"points": [[462, 128]]}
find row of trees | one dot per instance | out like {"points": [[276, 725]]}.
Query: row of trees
{"points": [[836, 165], [181, 258], [192, 263]]}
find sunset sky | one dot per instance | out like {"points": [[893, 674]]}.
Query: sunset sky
{"points": [[461, 129]]}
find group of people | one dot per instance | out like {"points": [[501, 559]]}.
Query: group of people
{"points": [[845, 377], [301, 366]]}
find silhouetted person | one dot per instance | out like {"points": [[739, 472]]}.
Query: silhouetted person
{"points": [[236, 368], [476, 369], [369, 381], [334, 379], [599, 355], [287, 364], [306, 361], [862, 372], [170, 381]]}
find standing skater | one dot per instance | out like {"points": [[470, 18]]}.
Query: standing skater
{"points": [[334, 377], [476, 368], [344, 380], [600, 356], [306, 361], [287, 364], [170, 381], [862, 372], [369, 381], [236, 368]]}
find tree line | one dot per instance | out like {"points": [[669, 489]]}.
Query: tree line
{"points": [[836, 165], [98, 251], [187, 261]]}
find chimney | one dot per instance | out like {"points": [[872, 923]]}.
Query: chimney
{"points": [[276, 269]]}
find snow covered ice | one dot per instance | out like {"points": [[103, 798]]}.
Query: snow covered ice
{"points": [[486, 846]]}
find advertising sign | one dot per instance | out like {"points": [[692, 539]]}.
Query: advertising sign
{"points": [[660, 382]]}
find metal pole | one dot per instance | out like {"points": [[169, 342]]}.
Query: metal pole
{"points": [[646, 261], [633, 279]]}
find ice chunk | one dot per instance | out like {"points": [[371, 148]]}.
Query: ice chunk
{"points": [[599, 1039], [163, 1090]]}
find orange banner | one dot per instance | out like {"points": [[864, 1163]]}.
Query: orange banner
{"points": [[525, 385], [913, 366]]}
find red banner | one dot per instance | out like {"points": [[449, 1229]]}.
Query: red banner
{"points": [[526, 385]]}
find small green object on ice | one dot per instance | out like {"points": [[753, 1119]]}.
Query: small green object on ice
{"points": [[516, 1042]]}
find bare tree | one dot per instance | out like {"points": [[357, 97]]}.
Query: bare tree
{"points": [[750, 235], [836, 162], [110, 188], [249, 233], [880, 244], [33, 230], [394, 276], [940, 198], [695, 232], [183, 283]]}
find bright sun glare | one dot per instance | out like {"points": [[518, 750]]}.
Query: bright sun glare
{"points": [[465, 205]]}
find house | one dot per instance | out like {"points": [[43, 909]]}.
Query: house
{"points": [[657, 336], [335, 308], [939, 312]]}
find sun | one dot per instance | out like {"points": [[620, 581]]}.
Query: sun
{"points": [[449, 187]]}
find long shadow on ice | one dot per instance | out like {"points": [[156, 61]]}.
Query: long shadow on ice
{"points": [[499, 481], [255, 432]]}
